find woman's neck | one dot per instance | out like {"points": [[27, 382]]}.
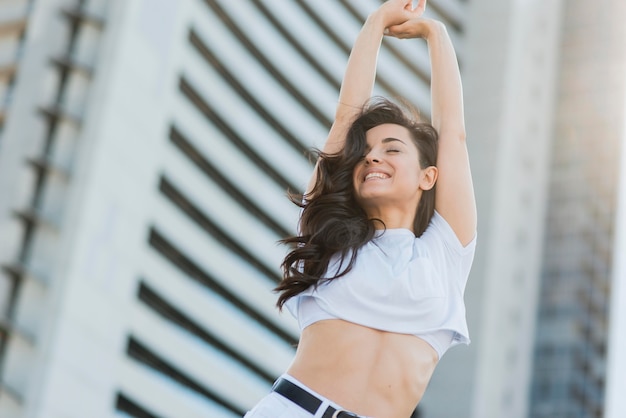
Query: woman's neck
{"points": [[392, 218]]}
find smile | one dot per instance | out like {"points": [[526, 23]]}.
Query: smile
{"points": [[376, 175]]}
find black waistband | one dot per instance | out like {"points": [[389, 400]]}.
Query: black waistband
{"points": [[307, 400]]}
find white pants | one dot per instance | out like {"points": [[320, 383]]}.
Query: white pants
{"points": [[275, 405]]}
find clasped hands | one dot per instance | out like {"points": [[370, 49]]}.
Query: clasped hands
{"points": [[402, 20]]}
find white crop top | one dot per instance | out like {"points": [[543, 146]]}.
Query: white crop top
{"points": [[399, 283]]}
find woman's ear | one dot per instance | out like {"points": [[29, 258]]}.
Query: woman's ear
{"points": [[428, 177]]}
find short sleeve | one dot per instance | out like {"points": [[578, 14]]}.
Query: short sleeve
{"points": [[449, 237], [447, 251]]}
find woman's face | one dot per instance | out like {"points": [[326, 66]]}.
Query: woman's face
{"points": [[389, 172]]}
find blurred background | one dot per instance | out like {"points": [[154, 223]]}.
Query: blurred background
{"points": [[146, 147]]}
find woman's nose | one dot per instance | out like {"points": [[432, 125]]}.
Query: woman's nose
{"points": [[371, 157]]}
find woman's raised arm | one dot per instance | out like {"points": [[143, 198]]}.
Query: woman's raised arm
{"points": [[360, 73], [455, 193]]}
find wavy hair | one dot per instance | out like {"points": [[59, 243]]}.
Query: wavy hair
{"points": [[332, 222]]}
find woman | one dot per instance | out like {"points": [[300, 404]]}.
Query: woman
{"points": [[378, 270]]}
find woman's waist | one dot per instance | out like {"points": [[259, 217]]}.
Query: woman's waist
{"points": [[357, 366]]}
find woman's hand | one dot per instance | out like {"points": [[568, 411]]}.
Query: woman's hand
{"points": [[415, 28], [397, 12]]}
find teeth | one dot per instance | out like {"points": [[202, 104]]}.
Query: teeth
{"points": [[376, 175]]}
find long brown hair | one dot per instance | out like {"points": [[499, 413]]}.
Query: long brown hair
{"points": [[332, 222]]}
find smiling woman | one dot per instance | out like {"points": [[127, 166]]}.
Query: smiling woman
{"points": [[378, 269], [401, 150]]}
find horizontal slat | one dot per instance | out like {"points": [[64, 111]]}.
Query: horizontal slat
{"points": [[247, 124], [298, 27], [23, 271], [230, 326], [392, 74], [218, 373], [224, 266], [9, 327], [14, 397], [453, 11], [163, 396], [253, 181], [279, 54], [218, 206], [264, 87]]}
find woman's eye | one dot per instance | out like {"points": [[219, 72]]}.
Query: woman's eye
{"points": [[393, 150]]}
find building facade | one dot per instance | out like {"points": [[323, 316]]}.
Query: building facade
{"points": [[146, 148], [571, 362], [552, 134]]}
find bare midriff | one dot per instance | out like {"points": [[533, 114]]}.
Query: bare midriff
{"points": [[369, 372]]}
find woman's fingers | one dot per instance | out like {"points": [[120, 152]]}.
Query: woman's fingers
{"points": [[421, 7], [397, 31], [395, 12], [399, 11]]}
